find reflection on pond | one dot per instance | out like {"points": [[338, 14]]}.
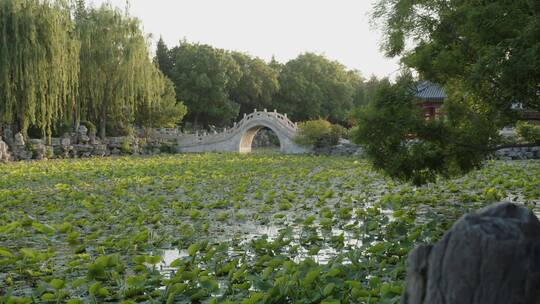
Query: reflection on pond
{"points": [[244, 243]]}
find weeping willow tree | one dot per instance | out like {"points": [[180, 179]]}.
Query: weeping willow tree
{"points": [[39, 64], [157, 105], [118, 82], [60, 64]]}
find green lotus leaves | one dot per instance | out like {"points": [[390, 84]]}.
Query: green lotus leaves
{"points": [[227, 228]]}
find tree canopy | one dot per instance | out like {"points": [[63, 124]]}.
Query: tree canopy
{"points": [[39, 64], [219, 85], [61, 64], [163, 58], [313, 86], [118, 82], [257, 86], [492, 47], [204, 77]]}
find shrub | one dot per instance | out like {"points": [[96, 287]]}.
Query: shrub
{"points": [[167, 148], [339, 131], [528, 132], [49, 152], [115, 129], [312, 131], [319, 133], [125, 148]]}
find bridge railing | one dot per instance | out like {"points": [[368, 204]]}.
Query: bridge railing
{"points": [[281, 121], [281, 118]]}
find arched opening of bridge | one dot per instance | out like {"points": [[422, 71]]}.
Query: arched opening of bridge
{"points": [[259, 139]]}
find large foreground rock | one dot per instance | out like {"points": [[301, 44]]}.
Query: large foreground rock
{"points": [[490, 257]]}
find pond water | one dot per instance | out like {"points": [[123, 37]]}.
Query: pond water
{"points": [[243, 235], [87, 219]]}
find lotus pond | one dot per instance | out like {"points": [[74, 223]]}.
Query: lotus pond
{"points": [[226, 228]]}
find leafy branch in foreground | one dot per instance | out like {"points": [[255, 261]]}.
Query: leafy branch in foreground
{"points": [[491, 46], [402, 143]]}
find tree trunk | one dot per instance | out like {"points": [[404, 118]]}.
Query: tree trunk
{"points": [[103, 111], [196, 122], [103, 121]]}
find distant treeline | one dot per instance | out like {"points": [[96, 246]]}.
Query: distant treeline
{"points": [[63, 62], [218, 86]]}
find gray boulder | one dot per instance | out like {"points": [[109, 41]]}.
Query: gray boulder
{"points": [[492, 256], [19, 149], [4, 153]]}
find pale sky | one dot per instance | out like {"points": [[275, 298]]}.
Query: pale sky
{"points": [[338, 29]]}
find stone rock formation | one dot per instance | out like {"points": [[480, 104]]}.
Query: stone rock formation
{"points": [[83, 134], [492, 256], [39, 149], [65, 146], [4, 153], [19, 149], [19, 139], [7, 136]]}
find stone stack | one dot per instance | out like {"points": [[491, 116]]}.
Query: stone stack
{"points": [[19, 149], [38, 148], [343, 148], [4, 151]]}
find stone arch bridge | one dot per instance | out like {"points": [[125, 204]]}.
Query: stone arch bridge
{"points": [[240, 137]]}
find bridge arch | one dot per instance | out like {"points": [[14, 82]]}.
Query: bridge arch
{"points": [[246, 140], [240, 137]]}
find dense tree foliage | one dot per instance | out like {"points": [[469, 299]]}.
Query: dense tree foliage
{"points": [[257, 86], [163, 58], [157, 105], [313, 86], [218, 85], [493, 47], [38, 64], [400, 141], [485, 53], [528, 132], [118, 82], [60, 64], [204, 77]]}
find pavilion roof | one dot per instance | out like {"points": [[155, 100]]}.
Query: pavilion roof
{"points": [[429, 91]]}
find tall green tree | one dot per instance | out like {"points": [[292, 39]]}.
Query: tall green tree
{"points": [[157, 105], [492, 47], [60, 64], [116, 77], [38, 64], [276, 65], [163, 58], [257, 86], [313, 86], [357, 83], [204, 77]]}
